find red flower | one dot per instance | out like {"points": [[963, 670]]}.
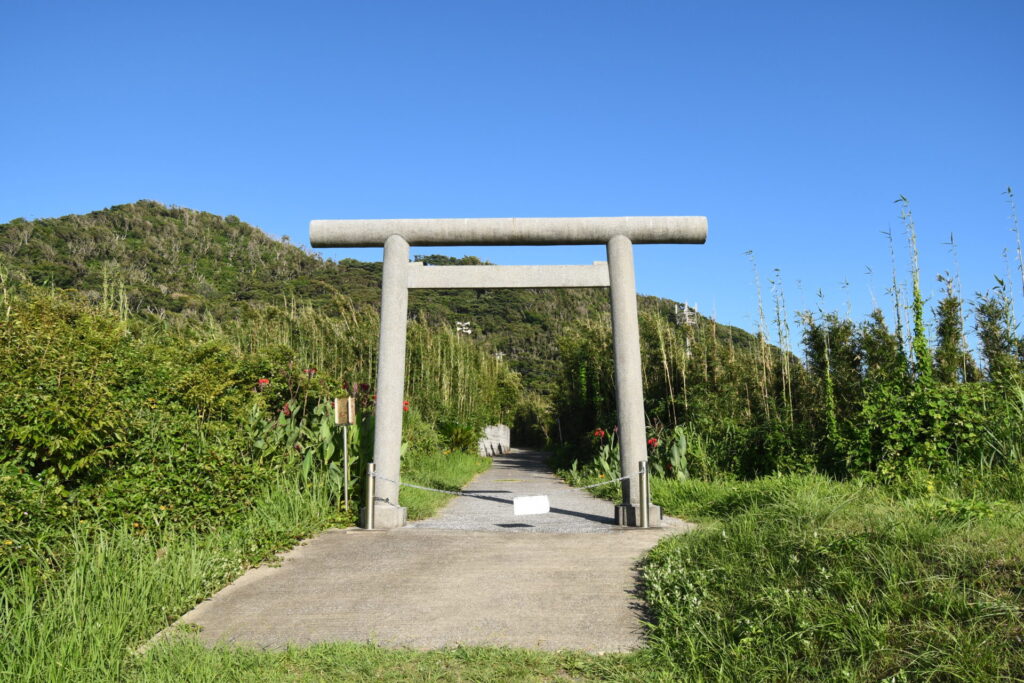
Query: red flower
{"points": [[405, 406], [263, 380], [599, 433], [309, 372], [652, 442], [286, 411], [364, 387]]}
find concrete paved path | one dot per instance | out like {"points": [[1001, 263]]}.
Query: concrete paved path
{"points": [[525, 473], [469, 576]]}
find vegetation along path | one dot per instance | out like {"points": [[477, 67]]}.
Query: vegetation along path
{"points": [[469, 576]]}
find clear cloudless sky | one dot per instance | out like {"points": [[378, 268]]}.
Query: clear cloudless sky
{"points": [[792, 125]]}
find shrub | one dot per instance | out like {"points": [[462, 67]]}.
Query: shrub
{"points": [[926, 425], [122, 421], [459, 437], [60, 372]]}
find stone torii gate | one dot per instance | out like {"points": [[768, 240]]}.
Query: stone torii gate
{"points": [[396, 236]]}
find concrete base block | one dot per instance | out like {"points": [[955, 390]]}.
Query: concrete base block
{"points": [[385, 516], [629, 515]]}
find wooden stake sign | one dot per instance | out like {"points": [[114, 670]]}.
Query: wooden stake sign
{"points": [[345, 411], [345, 415]]}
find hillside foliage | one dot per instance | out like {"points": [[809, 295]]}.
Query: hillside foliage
{"points": [[866, 397], [157, 261], [165, 421]]}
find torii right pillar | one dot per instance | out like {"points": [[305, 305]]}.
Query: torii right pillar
{"points": [[629, 385]]}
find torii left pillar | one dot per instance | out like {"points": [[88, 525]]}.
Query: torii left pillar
{"points": [[387, 442]]}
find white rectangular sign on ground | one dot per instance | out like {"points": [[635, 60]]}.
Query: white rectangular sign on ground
{"points": [[530, 505]]}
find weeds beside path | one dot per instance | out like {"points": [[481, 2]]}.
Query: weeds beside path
{"points": [[79, 608], [800, 577]]}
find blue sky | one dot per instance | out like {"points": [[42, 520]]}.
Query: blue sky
{"points": [[792, 126]]}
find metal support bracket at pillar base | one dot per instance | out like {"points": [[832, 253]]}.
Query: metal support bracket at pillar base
{"points": [[629, 515], [385, 516]]}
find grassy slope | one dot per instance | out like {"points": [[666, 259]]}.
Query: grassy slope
{"points": [[116, 589], [801, 577]]}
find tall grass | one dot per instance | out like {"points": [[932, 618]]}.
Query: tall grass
{"points": [[865, 397], [449, 377], [81, 617], [79, 608], [803, 578]]}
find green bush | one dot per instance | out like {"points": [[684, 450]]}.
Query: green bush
{"points": [[459, 437], [60, 375], [926, 425], [29, 510], [422, 439], [122, 421]]}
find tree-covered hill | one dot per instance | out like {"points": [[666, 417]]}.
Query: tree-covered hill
{"points": [[172, 261]]}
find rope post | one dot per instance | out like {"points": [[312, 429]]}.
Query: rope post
{"points": [[645, 496], [344, 438], [371, 495]]}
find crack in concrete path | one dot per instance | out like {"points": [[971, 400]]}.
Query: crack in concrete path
{"points": [[472, 575]]}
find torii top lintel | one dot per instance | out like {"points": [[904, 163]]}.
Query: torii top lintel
{"points": [[509, 231]]}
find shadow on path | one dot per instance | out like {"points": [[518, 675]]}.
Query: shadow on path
{"points": [[523, 473]]}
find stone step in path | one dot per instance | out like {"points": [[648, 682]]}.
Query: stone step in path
{"points": [[473, 575]]}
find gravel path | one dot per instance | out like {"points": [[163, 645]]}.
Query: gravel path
{"points": [[469, 576]]}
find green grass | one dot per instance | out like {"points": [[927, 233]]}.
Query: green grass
{"points": [[186, 660], [801, 577], [789, 578], [77, 611], [448, 471], [804, 578]]}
